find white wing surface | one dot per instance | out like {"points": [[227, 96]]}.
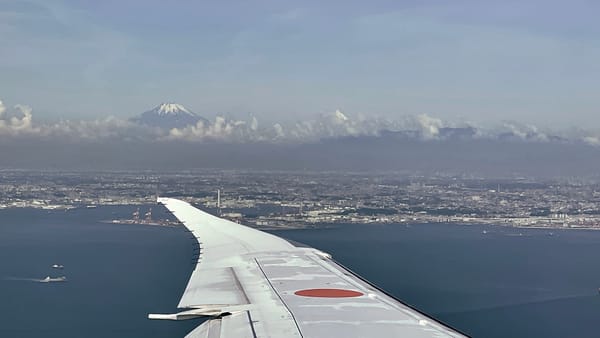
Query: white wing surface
{"points": [[253, 284]]}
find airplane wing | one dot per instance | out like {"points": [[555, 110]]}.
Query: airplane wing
{"points": [[253, 284]]}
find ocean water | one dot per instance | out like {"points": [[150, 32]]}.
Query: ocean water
{"points": [[503, 283], [117, 274]]}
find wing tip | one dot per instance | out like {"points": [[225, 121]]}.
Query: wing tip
{"points": [[166, 200]]}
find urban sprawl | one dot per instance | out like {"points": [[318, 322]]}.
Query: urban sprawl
{"points": [[307, 199]]}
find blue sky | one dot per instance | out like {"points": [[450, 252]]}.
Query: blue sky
{"points": [[533, 61]]}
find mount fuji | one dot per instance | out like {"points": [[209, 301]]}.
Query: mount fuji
{"points": [[168, 116]]}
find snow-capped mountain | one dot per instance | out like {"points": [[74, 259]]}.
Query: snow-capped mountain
{"points": [[168, 116]]}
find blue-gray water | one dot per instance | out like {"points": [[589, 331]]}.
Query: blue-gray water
{"points": [[498, 284]]}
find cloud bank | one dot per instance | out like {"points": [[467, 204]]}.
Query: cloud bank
{"points": [[19, 122]]}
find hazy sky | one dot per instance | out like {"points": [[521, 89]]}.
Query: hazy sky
{"points": [[534, 61]]}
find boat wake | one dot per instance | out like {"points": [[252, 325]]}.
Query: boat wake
{"points": [[24, 279], [37, 280]]}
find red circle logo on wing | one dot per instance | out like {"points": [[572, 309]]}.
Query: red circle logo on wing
{"points": [[328, 293]]}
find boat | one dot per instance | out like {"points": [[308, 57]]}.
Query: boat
{"points": [[58, 266], [49, 279]]}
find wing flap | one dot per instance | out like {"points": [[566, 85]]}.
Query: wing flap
{"points": [[217, 286], [208, 329], [236, 325]]}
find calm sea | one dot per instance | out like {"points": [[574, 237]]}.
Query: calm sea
{"points": [[502, 283]]}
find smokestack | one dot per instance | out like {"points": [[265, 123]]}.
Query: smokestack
{"points": [[219, 199]]}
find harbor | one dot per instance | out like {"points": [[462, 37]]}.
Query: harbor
{"points": [[145, 220]]}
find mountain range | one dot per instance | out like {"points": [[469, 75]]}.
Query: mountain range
{"points": [[191, 126]]}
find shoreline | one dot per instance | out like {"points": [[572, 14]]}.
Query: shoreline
{"points": [[319, 225]]}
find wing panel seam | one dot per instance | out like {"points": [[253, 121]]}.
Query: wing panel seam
{"points": [[251, 324], [239, 285], [279, 296]]}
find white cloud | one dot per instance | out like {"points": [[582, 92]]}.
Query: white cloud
{"points": [[19, 122], [525, 132], [592, 140], [430, 127]]}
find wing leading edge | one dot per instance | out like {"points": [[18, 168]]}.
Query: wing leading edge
{"points": [[253, 284]]}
